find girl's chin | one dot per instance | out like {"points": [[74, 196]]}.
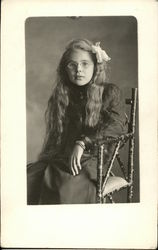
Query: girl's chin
{"points": [[79, 82]]}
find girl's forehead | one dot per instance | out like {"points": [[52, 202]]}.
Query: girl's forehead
{"points": [[79, 55]]}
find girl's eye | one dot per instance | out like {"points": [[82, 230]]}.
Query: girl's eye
{"points": [[71, 65], [85, 64]]}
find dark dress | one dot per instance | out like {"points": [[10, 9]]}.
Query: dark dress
{"points": [[51, 182]]}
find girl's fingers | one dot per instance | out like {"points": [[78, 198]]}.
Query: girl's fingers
{"points": [[73, 172], [72, 169], [79, 164], [75, 166]]}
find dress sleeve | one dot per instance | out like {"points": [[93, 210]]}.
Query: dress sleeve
{"points": [[113, 120]]}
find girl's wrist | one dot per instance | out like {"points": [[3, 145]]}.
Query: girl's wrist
{"points": [[81, 144]]}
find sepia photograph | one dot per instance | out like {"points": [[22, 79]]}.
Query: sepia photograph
{"points": [[82, 73], [79, 124]]}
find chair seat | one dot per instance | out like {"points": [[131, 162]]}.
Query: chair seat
{"points": [[114, 183]]}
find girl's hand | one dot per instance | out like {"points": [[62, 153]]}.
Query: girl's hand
{"points": [[75, 159]]}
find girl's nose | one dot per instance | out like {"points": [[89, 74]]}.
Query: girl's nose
{"points": [[79, 67]]}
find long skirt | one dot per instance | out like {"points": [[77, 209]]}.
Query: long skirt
{"points": [[53, 183]]}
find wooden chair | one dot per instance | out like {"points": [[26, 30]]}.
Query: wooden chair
{"points": [[108, 184]]}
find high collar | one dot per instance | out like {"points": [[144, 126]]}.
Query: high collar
{"points": [[77, 88], [78, 93]]}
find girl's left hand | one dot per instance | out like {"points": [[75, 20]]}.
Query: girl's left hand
{"points": [[75, 159]]}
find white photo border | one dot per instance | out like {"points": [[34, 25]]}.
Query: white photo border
{"points": [[75, 226]]}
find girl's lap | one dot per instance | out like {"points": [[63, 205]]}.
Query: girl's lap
{"points": [[61, 187]]}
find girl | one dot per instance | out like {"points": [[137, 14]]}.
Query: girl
{"points": [[82, 111]]}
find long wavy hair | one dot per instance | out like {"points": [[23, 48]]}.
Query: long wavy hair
{"points": [[59, 99]]}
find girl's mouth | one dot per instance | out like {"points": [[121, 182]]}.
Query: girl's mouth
{"points": [[78, 77]]}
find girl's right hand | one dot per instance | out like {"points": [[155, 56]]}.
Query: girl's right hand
{"points": [[75, 158]]}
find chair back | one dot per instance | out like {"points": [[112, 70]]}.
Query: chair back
{"points": [[132, 125], [119, 143]]}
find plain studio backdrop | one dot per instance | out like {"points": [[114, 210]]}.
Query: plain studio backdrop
{"points": [[45, 41]]}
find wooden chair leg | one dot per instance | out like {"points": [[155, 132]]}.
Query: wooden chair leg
{"points": [[100, 173], [104, 199], [111, 198], [132, 144]]}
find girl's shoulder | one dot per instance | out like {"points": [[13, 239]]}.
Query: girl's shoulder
{"points": [[111, 95], [111, 88]]}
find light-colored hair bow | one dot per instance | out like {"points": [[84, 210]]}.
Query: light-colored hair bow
{"points": [[101, 55]]}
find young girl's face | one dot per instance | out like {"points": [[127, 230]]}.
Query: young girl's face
{"points": [[80, 67]]}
